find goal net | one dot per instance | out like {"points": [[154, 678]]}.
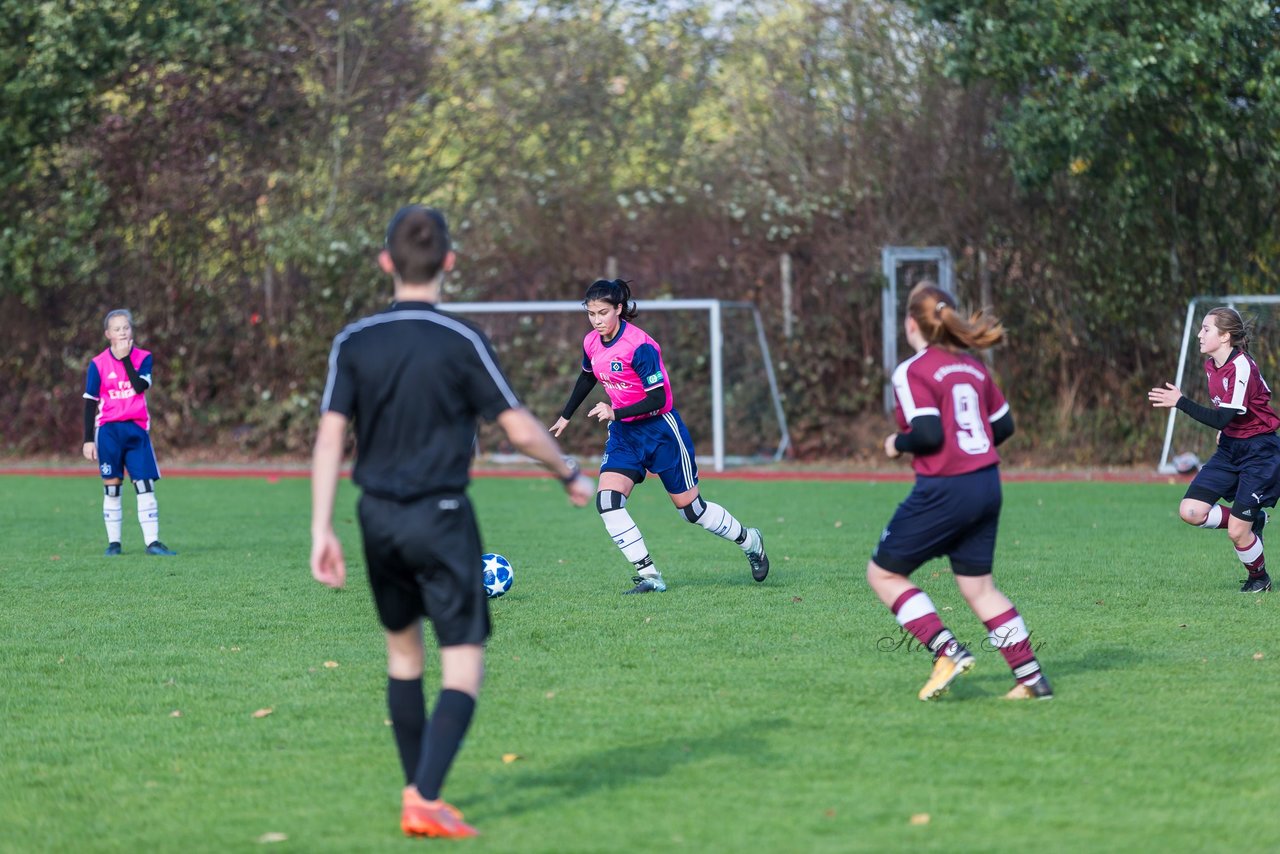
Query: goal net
{"points": [[715, 352], [1188, 443]]}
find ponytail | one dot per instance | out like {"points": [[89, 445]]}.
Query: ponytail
{"points": [[935, 312]]}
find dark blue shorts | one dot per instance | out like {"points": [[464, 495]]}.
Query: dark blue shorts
{"points": [[660, 445], [953, 516], [125, 446], [1245, 472]]}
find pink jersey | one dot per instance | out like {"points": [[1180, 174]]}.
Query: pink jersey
{"points": [[108, 383], [628, 367], [958, 389], [1238, 385]]}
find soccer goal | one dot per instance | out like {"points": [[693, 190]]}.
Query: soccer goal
{"points": [[715, 351], [1184, 438]]}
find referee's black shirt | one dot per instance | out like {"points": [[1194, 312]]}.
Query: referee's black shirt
{"points": [[414, 380]]}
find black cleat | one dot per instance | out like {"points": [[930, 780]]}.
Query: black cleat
{"points": [[1260, 584], [646, 584], [1038, 690], [113, 549], [1259, 522], [159, 548], [755, 555]]}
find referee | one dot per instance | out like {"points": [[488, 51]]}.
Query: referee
{"points": [[414, 380]]}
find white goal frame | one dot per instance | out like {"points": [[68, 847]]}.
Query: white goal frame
{"points": [[1195, 308], [714, 309]]}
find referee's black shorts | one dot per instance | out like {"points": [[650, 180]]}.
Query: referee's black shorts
{"points": [[423, 558]]}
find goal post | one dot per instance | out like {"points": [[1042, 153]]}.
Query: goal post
{"points": [[1182, 435], [714, 310]]}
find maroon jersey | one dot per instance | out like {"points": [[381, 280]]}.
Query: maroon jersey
{"points": [[1239, 385], [958, 389]]}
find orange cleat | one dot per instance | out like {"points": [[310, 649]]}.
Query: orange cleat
{"points": [[945, 670], [437, 819]]}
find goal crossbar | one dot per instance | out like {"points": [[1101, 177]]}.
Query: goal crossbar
{"points": [[1195, 307], [714, 309]]}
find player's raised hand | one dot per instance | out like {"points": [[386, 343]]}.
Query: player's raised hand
{"points": [[327, 563], [1165, 398], [601, 412], [558, 428]]}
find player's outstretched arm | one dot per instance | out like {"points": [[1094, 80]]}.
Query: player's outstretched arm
{"points": [[328, 566], [528, 437], [1165, 398]]}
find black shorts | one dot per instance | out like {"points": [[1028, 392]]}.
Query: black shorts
{"points": [[1245, 472], [423, 558], [954, 516]]}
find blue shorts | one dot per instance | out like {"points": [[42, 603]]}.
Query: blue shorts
{"points": [[955, 516], [124, 445], [660, 445], [1245, 472]]}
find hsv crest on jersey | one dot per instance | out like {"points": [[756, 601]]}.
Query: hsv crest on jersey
{"points": [[615, 365]]}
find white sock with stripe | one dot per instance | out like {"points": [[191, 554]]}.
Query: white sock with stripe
{"points": [[113, 512], [148, 517], [717, 520], [624, 532]]}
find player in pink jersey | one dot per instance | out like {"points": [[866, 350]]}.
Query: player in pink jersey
{"points": [[951, 416], [646, 434], [116, 431], [1245, 468]]}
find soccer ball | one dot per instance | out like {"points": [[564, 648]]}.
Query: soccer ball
{"points": [[497, 575]]}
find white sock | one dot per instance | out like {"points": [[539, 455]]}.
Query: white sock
{"points": [[717, 520], [722, 523], [626, 536], [148, 517], [1215, 517], [113, 515]]}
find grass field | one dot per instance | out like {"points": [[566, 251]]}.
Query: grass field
{"points": [[723, 715]]}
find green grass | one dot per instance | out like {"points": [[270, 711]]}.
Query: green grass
{"points": [[723, 715]]}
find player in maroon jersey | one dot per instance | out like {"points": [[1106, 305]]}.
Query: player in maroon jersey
{"points": [[951, 415], [1245, 469]]}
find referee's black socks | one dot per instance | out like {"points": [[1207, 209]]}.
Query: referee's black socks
{"points": [[408, 721], [449, 722]]}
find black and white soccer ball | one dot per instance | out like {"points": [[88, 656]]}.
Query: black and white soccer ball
{"points": [[1187, 463], [497, 575]]}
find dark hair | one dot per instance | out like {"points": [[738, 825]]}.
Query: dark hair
{"points": [[616, 292], [418, 241], [940, 322], [1232, 322]]}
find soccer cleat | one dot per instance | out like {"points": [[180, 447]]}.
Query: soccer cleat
{"points": [[755, 555], [113, 549], [1038, 690], [1259, 522], [945, 670], [647, 584], [159, 548], [420, 817], [1261, 584]]}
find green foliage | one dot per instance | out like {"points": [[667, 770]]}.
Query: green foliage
{"points": [[225, 169]]}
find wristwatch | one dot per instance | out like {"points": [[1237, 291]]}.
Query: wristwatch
{"points": [[574, 471]]}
